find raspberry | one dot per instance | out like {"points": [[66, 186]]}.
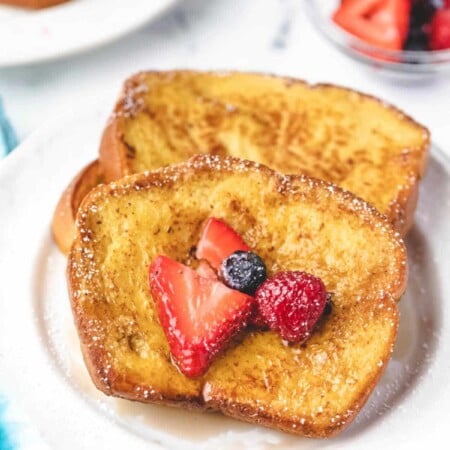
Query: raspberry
{"points": [[291, 303]]}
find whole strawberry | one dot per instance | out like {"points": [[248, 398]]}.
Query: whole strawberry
{"points": [[291, 303]]}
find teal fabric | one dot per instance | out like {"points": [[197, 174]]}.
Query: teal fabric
{"points": [[8, 138], [8, 141], [6, 442]]}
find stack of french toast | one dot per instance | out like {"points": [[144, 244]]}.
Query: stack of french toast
{"points": [[237, 246]]}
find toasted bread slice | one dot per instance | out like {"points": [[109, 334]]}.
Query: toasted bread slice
{"points": [[33, 4], [293, 223], [350, 139], [63, 223]]}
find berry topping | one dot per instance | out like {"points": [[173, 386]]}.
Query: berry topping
{"points": [[257, 320], [291, 303], [206, 271], [243, 271], [440, 30], [383, 23], [218, 241], [199, 315]]}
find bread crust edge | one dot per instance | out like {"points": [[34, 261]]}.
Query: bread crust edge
{"points": [[63, 221]]}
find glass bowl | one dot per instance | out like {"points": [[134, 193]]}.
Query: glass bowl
{"points": [[403, 61]]}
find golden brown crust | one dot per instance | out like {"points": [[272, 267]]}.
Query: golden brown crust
{"points": [[63, 222], [401, 212], [403, 205], [112, 151], [212, 390], [113, 148], [33, 4]]}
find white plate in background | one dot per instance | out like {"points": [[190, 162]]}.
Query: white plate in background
{"points": [[42, 365], [30, 36]]}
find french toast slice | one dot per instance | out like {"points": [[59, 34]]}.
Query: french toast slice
{"points": [[328, 132], [294, 223]]}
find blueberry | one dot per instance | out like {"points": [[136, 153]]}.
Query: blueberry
{"points": [[417, 39], [422, 12], [243, 271]]}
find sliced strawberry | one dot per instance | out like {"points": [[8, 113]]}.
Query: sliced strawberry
{"points": [[218, 241], [440, 30], [383, 23], [206, 271], [393, 15], [361, 7], [199, 315]]}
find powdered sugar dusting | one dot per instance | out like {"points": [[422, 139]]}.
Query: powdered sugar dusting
{"points": [[132, 101]]}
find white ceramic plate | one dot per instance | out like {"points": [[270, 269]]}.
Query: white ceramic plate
{"points": [[41, 361], [33, 36]]}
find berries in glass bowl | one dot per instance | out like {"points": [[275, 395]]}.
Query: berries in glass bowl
{"points": [[395, 25], [401, 37]]}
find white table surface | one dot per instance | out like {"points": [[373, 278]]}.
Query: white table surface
{"points": [[260, 35]]}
